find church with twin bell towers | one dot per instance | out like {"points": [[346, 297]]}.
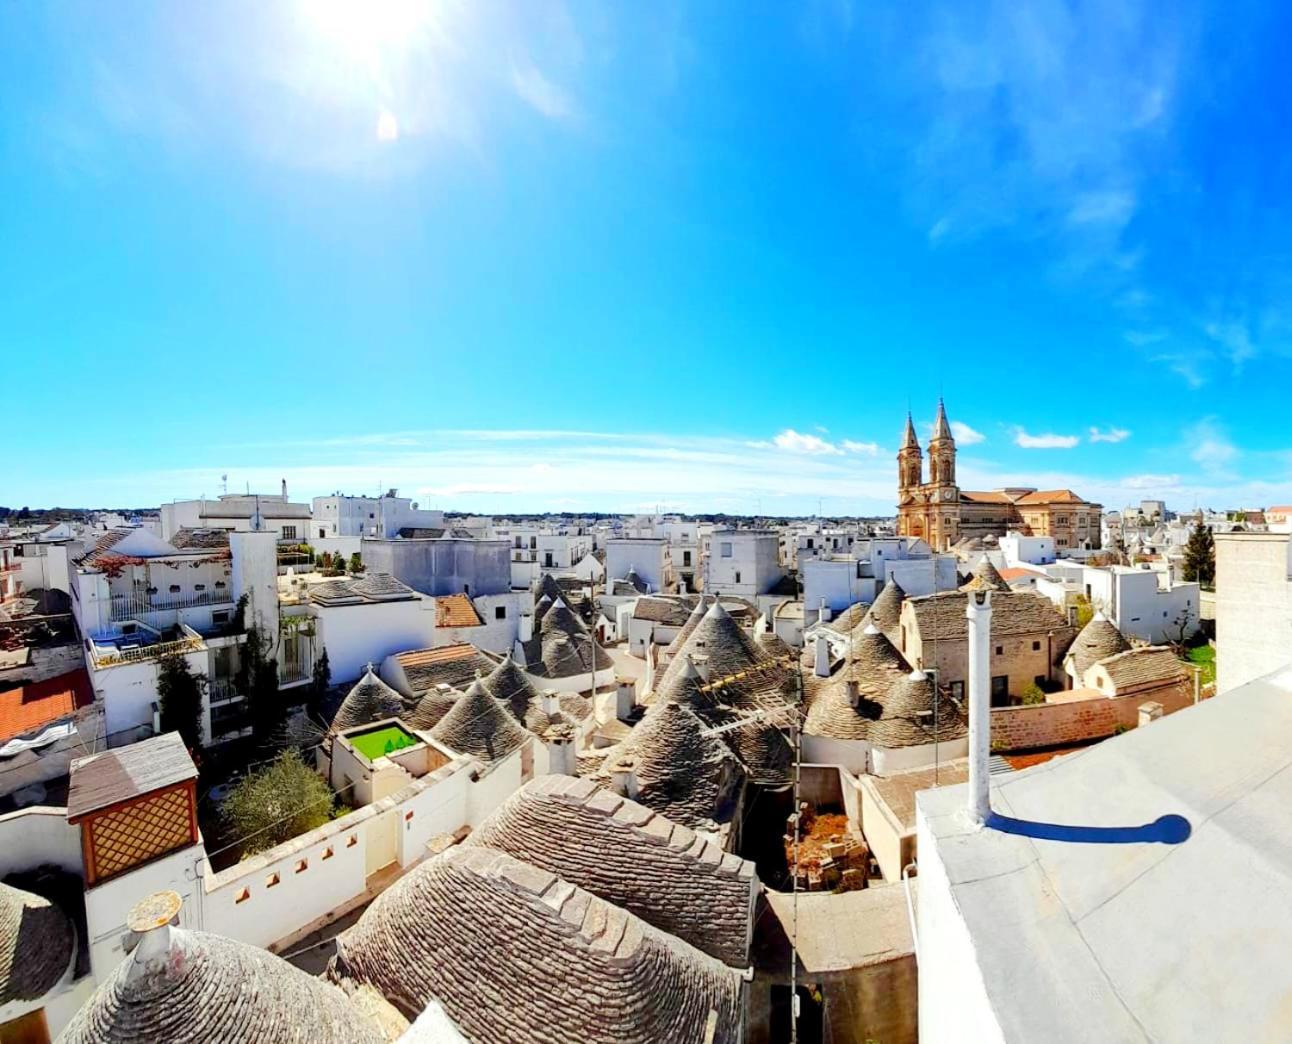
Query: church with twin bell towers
{"points": [[941, 513]]}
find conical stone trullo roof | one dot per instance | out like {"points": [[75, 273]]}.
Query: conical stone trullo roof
{"points": [[986, 578], [1098, 639], [886, 610], [195, 988], [36, 945], [370, 700], [515, 953], [681, 770], [480, 726]]}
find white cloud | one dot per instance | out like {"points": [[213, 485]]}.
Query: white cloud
{"points": [[540, 93], [797, 442], [1046, 441], [1102, 208], [1153, 482], [387, 126], [1143, 338], [965, 435], [1209, 446], [1111, 435], [870, 449], [1234, 338]]}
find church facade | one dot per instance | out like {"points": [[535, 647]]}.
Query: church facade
{"points": [[943, 514]]}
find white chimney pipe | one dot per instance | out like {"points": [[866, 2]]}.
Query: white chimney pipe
{"points": [[550, 702], [822, 657], [978, 611]]}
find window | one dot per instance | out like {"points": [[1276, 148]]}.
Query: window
{"points": [[500, 612], [289, 532], [174, 588], [1000, 650], [199, 587], [1036, 647], [686, 558], [957, 690], [322, 533], [221, 617], [738, 581], [1000, 690], [725, 549]]}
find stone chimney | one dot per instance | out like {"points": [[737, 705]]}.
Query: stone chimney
{"points": [[151, 920], [978, 610], [854, 693], [822, 656], [550, 702]]}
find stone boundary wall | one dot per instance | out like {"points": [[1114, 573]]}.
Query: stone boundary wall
{"points": [[1059, 724]]}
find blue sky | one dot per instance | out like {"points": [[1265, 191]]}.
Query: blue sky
{"points": [[602, 256]]}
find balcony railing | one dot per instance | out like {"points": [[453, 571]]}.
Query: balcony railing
{"points": [[126, 606], [112, 656]]}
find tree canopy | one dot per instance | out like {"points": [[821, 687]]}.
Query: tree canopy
{"points": [[179, 697], [277, 802], [1200, 557]]}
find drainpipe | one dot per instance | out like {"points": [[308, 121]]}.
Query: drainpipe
{"points": [[978, 611]]}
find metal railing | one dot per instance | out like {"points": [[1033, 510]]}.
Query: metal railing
{"points": [[111, 656], [125, 606]]}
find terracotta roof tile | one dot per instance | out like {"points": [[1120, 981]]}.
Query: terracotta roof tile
{"points": [[40, 703], [456, 610]]}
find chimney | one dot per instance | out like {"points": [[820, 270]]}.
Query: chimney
{"points": [[284, 489], [824, 614], [518, 653], [150, 920], [854, 693], [978, 611], [822, 657], [526, 628], [550, 702]]}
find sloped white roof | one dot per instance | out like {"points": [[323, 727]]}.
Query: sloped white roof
{"points": [[1082, 937]]}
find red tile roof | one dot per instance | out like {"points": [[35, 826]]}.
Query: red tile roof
{"points": [[444, 654], [1017, 573], [35, 704], [456, 610], [1051, 496]]}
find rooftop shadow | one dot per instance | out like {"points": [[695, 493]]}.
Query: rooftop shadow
{"points": [[1167, 830]]}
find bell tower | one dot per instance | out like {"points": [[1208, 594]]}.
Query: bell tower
{"points": [[910, 462], [942, 451]]}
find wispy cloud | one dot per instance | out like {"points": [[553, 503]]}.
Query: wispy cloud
{"points": [[869, 449], [1111, 208], [1158, 483], [1234, 338], [797, 442], [1111, 435], [1046, 441], [540, 93], [1209, 445], [965, 435]]}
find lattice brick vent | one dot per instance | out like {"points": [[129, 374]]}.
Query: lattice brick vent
{"points": [[133, 835]]}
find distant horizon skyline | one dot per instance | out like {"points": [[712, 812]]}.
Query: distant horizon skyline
{"points": [[786, 474], [504, 255]]}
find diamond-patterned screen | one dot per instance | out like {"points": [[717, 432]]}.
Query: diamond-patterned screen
{"points": [[129, 836]]}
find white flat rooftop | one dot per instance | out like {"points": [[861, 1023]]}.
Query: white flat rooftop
{"points": [[1085, 934]]}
